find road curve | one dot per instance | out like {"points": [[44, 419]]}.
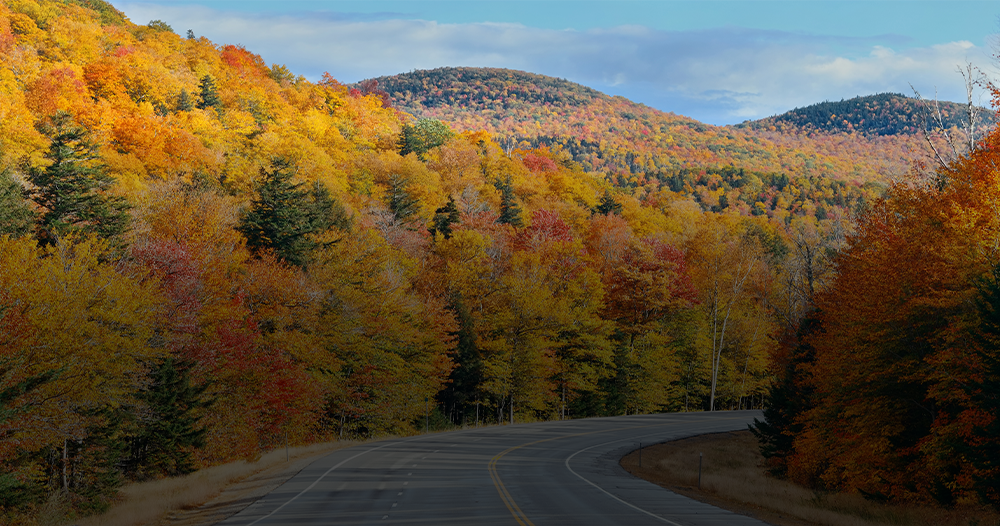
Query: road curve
{"points": [[563, 473]]}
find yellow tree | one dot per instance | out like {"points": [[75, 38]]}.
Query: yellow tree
{"points": [[727, 263]]}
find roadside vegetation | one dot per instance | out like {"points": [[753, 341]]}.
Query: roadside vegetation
{"points": [[735, 476]]}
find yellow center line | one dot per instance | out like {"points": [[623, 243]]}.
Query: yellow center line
{"points": [[505, 495]]}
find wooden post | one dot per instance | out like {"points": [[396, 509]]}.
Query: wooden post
{"points": [[699, 470]]}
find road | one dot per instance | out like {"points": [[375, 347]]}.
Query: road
{"points": [[548, 473]]}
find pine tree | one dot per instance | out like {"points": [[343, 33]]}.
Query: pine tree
{"points": [[787, 398], [165, 439], [510, 212], [209, 94], [184, 102], [16, 217], [608, 205], [282, 215], [72, 191], [400, 202], [983, 449], [444, 217]]}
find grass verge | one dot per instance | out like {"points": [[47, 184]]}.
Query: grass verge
{"points": [[733, 477]]}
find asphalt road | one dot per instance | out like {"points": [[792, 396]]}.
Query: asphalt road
{"points": [[564, 473]]}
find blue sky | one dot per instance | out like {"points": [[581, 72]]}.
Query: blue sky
{"points": [[720, 62]]}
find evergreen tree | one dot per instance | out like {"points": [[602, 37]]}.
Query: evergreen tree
{"points": [[510, 212], [71, 190], [460, 396], [787, 398], [444, 217], [209, 94], [982, 448], [184, 102], [16, 216], [282, 215], [15, 492], [165, 438], [608, 205], [400, 202]]}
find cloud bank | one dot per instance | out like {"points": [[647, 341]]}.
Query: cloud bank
{"points": [[720, 76]]}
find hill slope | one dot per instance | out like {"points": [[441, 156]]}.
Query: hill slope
{"points": [[633, 141], [880, 114]]}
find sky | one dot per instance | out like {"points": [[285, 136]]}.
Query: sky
{"points": [[718, 61]]}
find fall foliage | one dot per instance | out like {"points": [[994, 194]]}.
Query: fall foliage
{"points": [[203, 257]]}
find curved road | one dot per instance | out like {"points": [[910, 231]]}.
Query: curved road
{"points": [[545, 473]]}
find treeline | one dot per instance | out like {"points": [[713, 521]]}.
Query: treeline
{"points": [[891, 385]]}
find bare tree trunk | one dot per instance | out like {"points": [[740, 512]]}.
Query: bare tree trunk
{"points": [[65, 465]]}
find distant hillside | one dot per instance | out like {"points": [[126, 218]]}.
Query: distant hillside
{"points": [[881, 114], [632, 142]]}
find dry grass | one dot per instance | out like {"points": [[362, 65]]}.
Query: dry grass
{"points": [[733, 478], [159, 501]]}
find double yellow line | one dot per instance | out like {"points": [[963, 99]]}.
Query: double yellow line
{"points": [[508, 501]]}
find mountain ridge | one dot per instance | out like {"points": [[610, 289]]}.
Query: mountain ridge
{"points": [[614, 135]]}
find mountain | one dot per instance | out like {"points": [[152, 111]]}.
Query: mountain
{"points": [[633, 143], [880, 114]]}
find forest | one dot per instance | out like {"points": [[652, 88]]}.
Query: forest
{"points": [[203, 256], [890, 385], [880, 114]]}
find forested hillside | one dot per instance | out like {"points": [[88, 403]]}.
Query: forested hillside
{"points": [[889, 388], [881, 114], [632, 142]]}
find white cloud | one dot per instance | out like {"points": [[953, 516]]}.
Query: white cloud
{"points": [[717, 75]]}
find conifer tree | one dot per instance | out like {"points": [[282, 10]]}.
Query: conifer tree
{"points": [[787, 398], [400, 202], [283, 214], [982, 448], [184, 102], [608, 205], [72, 190], [209, 94], [510, 212], [444, 217], [165, 439], [16, 217]]}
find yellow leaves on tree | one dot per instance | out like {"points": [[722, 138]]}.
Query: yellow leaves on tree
{"points": [[88, 319]]}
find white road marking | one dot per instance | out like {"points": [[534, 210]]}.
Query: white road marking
{"points": [[605, 491], [311, 486]]}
